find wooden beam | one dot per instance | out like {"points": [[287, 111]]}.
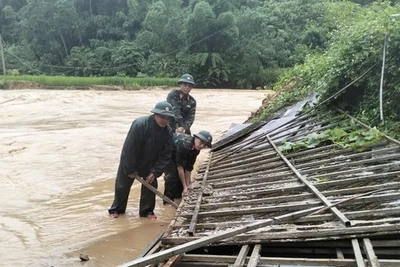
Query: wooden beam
{"points": [[369, 250], [152, 244], [356, 178], [308, 235], [173, 260], [345, 156], [350, 164], [280, 191], [278, 208], [357, 253], [266, 168], [366, 215], [196, 210], [272, 174], [255, 256], [355, 170], [241, 257], [257, 201]]}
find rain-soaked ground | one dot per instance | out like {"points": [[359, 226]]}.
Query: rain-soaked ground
{"points": [[59, 152]]}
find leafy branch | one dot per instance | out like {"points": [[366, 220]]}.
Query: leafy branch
{"points": [[355, 139]]}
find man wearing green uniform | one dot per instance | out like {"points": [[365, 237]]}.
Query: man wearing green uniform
{"points": [[184, 105], [185, 150]]}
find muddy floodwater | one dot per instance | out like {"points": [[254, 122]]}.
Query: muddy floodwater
{"points": [[59, 153]]}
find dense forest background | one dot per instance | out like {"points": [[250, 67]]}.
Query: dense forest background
{"points": [[292, 46], [223, 43]]}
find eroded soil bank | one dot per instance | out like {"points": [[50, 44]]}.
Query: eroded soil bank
{"points": [[59, 152]]}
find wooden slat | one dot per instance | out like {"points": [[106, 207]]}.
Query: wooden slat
{"points": [[344, 157], [255, 256], [369, 250], [316, 234], [241, 257], [236, 212], [173, 260], [392, 165], [257, 201], [366, 215], [357, 253], [193, 221], [352, 163]]}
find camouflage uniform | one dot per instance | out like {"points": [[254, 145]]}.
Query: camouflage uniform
{"points": [[183, 154], [184, 108]]}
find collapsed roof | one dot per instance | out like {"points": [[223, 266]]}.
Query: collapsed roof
{"points": [[259, 202]]}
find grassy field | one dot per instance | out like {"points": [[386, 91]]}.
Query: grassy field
{"points": [[64, 81]]}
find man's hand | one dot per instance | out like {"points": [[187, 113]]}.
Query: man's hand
{"points": [[150, 178], [180, 130], [185, 191], [132, 176]]}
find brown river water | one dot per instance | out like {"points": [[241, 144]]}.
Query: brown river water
{"points": [[59, 153]]}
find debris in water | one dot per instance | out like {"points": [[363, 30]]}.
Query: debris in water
{"points": [[84, 257]]}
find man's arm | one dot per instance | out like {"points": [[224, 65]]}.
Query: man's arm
{"points": [[182, 178], [188, 175], [163, 159], [173, 99], [131, 145]]}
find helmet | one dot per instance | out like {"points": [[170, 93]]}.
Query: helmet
{"points": [[205, 137], [163, 108], [186, 78]]}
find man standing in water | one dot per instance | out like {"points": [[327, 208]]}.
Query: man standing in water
{"points": [[184, 105], [145, 153]]}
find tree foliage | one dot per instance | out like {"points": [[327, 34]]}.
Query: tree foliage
{"points": [[222, 43]]}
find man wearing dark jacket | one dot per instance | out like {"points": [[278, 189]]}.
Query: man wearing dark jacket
{"points": [[146, 153], [184, 105], [185, 150]]}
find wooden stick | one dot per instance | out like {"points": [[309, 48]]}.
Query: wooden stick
{"points": [[158, 193], [151, 245], [371, 256], [193, 221], [345, 200], [357, 253]]}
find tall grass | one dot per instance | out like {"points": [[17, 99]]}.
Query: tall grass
{"points": [[88, 81]]}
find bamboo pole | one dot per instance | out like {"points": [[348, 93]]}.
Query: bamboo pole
{"points": [[158, 193]]}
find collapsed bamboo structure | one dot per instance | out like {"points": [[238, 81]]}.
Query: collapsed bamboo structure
{"points": [[249, 180]]}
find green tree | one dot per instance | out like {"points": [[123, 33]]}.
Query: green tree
{"points": [[50, 28]]}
